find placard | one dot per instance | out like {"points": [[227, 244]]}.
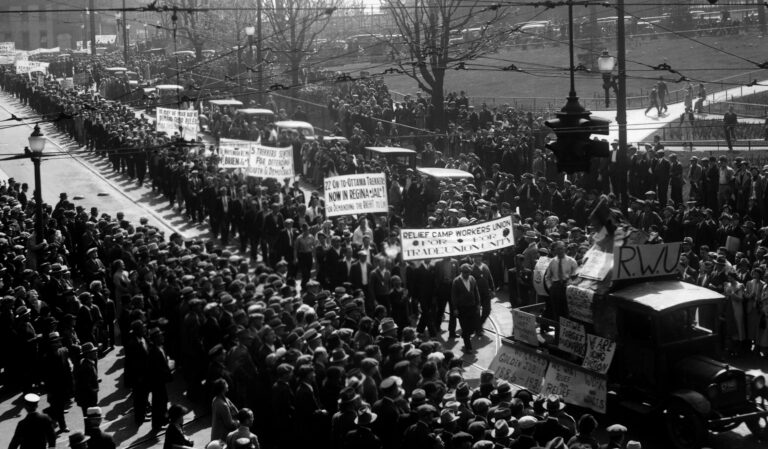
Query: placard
{"points": [[450, 242], [356, 194], [579, 302], [575, 386], [169, 121], [519, 367], [27, 66], [67, 83], [7, 52], [270, 162], [234, 153], [643, 261], [106, 39], [539, 270], [597, 265], [600, 353], [524, 327], [572, 338]]}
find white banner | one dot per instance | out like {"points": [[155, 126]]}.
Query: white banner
{"points": [[169, 121], [576, 387], [448, 242], [356, 194], [40, 51], [572, 337], [31, 66], [519, 367], [597, 264], [66, 83], [643, 261], [271, 162], [106, 39], [7, 52], [235, 153], [579, 302], [538, 275]]}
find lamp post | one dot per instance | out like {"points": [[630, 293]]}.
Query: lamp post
{"points": [[250, 31], [606, 64], [36, 147]]}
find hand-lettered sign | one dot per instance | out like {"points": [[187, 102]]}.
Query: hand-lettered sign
{"points": [[642, 261]]}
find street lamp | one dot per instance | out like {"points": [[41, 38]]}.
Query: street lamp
{"points": [[36, 147], [250, 31], [606, 64]]}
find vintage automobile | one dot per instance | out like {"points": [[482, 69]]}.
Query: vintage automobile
{"points": [[667, 360]]}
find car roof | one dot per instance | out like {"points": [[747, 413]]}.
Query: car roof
{"points": [[391, 150], [293, 124], [444, 172], [255, 111], [229, 102], [664, 295]]}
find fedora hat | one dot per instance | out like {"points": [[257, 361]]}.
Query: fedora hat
{"points": [[88, 347], [387, 324], [501, 429], [365, 417], [338, 356], [348, 396], [77, 439], [554, 404], [447, 416]]}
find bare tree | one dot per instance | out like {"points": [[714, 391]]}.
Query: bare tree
{"points": [[426, 27], [295, 25]]}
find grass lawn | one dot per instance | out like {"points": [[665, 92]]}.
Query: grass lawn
{"points": [[550, 86]]}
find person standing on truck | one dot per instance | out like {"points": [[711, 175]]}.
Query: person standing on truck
{"points": [[730, 120], [561, 269]]}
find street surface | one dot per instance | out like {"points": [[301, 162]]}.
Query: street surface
{"points": [[91, 180]]}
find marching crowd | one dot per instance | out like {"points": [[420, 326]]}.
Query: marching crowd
{"points": [[316, 332]]}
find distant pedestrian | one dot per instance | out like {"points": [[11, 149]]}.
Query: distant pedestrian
{"points": [[662, 90], [730, 120], [653, 101]]}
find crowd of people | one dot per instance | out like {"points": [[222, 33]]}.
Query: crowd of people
{"points": [[313, 331]]}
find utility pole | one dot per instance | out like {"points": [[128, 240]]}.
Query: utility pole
{"points": [[621, 103], [761, 17], [92, 24], [259, 57], [125, 36]]}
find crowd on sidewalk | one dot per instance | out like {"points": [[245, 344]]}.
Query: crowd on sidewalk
{"points": [[316, 332]]}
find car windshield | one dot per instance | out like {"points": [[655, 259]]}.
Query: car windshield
{"points": [[687, 323]]}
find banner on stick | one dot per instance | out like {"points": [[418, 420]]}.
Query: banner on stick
{"points": [[524, 327], [169, 121], [235, 153], [270, 162], [356, 194], [451, 242], [27, 66]]}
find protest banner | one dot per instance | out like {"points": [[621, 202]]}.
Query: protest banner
{"points": [[106, 39], [572, 338], [27, 66], [356, 194], [642, 261], [575, 386], [600, 353], [597, 265], [81, 78], [451, 242], [235, 153], [7, 52], [524, 327], [519, 367], [67, 83], [579, 302], [169, 121], [271, 162], [539, 270]]}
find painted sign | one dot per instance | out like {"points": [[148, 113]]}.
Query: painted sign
{"points": [[447, 242], [519, 367], [234, 153], [356, 194], [576, 386], [580, 302], [643, 261], [538, 275], [169, 121], [600, 353], [572, 338], [270, 162], [597, 264], [524, 327]]}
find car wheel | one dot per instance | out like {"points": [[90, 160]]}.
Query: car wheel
{"points": [[685, 427]]}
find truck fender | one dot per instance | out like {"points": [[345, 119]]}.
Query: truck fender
{"points": [[696, 400]]}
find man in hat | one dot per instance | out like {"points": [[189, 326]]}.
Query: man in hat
{"points": [[58, 379], [420, 435], [363, 437], [389, 412], [98, 438], [465, 298], [79, 440], [616, 435], [87, 378], [135, 376], [35, 430], [158, 375]]}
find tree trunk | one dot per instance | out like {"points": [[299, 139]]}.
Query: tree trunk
{"points": [[295, 72], [198, 45], [438, 100]]}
